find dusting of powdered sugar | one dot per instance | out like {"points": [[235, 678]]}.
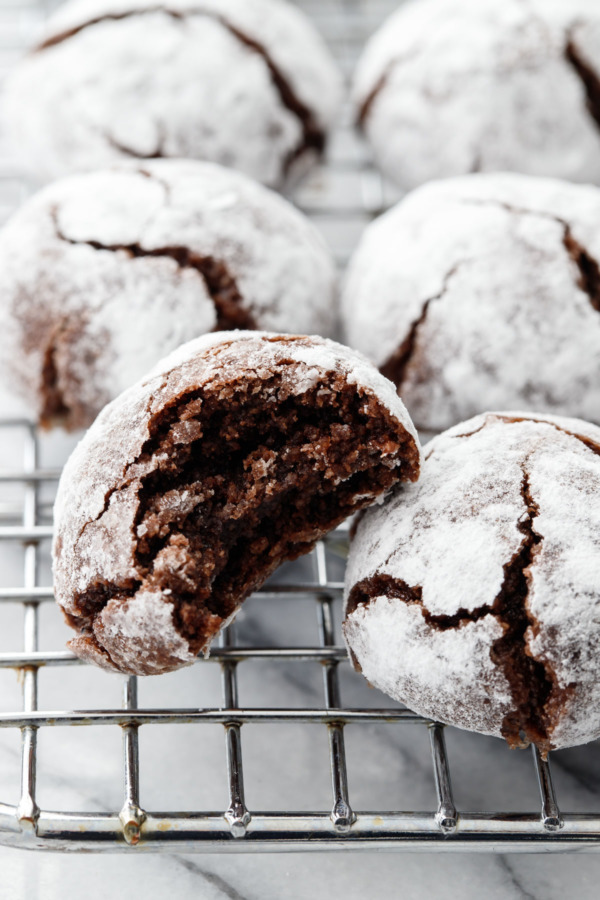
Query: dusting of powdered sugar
{"points": [[492, 284], [435, 673], [98, 495], [451, 535], [176, 78], [116, 315], [137, 631], [447, 87]]}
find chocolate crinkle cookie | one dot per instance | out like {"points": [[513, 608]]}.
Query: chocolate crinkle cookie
{"points": [[473, 597], [447, 87], [245, 83], [103, 274], [238, 452], [483, 292]]}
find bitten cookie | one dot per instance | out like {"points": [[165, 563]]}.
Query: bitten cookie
{"points": [[483, 292], [238, 452], [245, 83], [447, 87], [474, 596], [103, 274]]}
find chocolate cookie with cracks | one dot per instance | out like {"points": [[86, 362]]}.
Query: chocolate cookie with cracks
{"points": [[472, 597], [264, 445]]}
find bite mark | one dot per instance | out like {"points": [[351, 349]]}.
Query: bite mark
{"points": [[216, 559]]}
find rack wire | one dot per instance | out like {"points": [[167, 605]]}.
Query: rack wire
{"points": [[341, 199], [237, 827]]}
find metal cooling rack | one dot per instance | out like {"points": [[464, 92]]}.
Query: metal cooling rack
{"points": [[341, 198], [26, 525]]}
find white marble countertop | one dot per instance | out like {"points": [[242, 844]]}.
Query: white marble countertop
{"points": [[299, 877]]}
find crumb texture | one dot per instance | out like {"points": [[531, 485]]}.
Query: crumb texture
{"points": [[237, 453], [483, 291], [473, 595], [447, 87], [103, 274], [245, 83]]}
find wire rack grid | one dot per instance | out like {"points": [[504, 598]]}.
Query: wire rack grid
{"points": [[341, 198]]}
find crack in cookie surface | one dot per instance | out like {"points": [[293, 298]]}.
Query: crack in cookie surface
{"points": [[157, 153], [529, 679], [313, 135], [491, 418], [54, 406], [68, 33], [369, 101], [395, 367], [396, 589], [589, 271], [588, 279], [220, 283], [230, 312], [587, 75], [61, 399]]}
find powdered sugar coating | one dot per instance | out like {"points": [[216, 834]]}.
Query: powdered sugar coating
{"points": [[453, 534], [113, 313], [457, 86], [179, 78], [488, 283], [143, 625], [98, 496]]}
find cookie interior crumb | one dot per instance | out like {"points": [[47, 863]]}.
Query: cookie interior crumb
{"points": [[241, 480]]}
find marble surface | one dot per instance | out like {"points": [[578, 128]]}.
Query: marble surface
{"points": [[410, 876]]}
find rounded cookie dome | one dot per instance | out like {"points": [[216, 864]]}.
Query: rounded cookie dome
{"points": [[104, 273], [236, 453], [448, 87], [245, 83], [483, 291], [473, 597]]}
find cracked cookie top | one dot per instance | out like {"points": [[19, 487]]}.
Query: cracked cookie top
{"points": [[473, 596], [102, 274], [239, 451], [482, 292], [447, 87], [245, 83]]}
